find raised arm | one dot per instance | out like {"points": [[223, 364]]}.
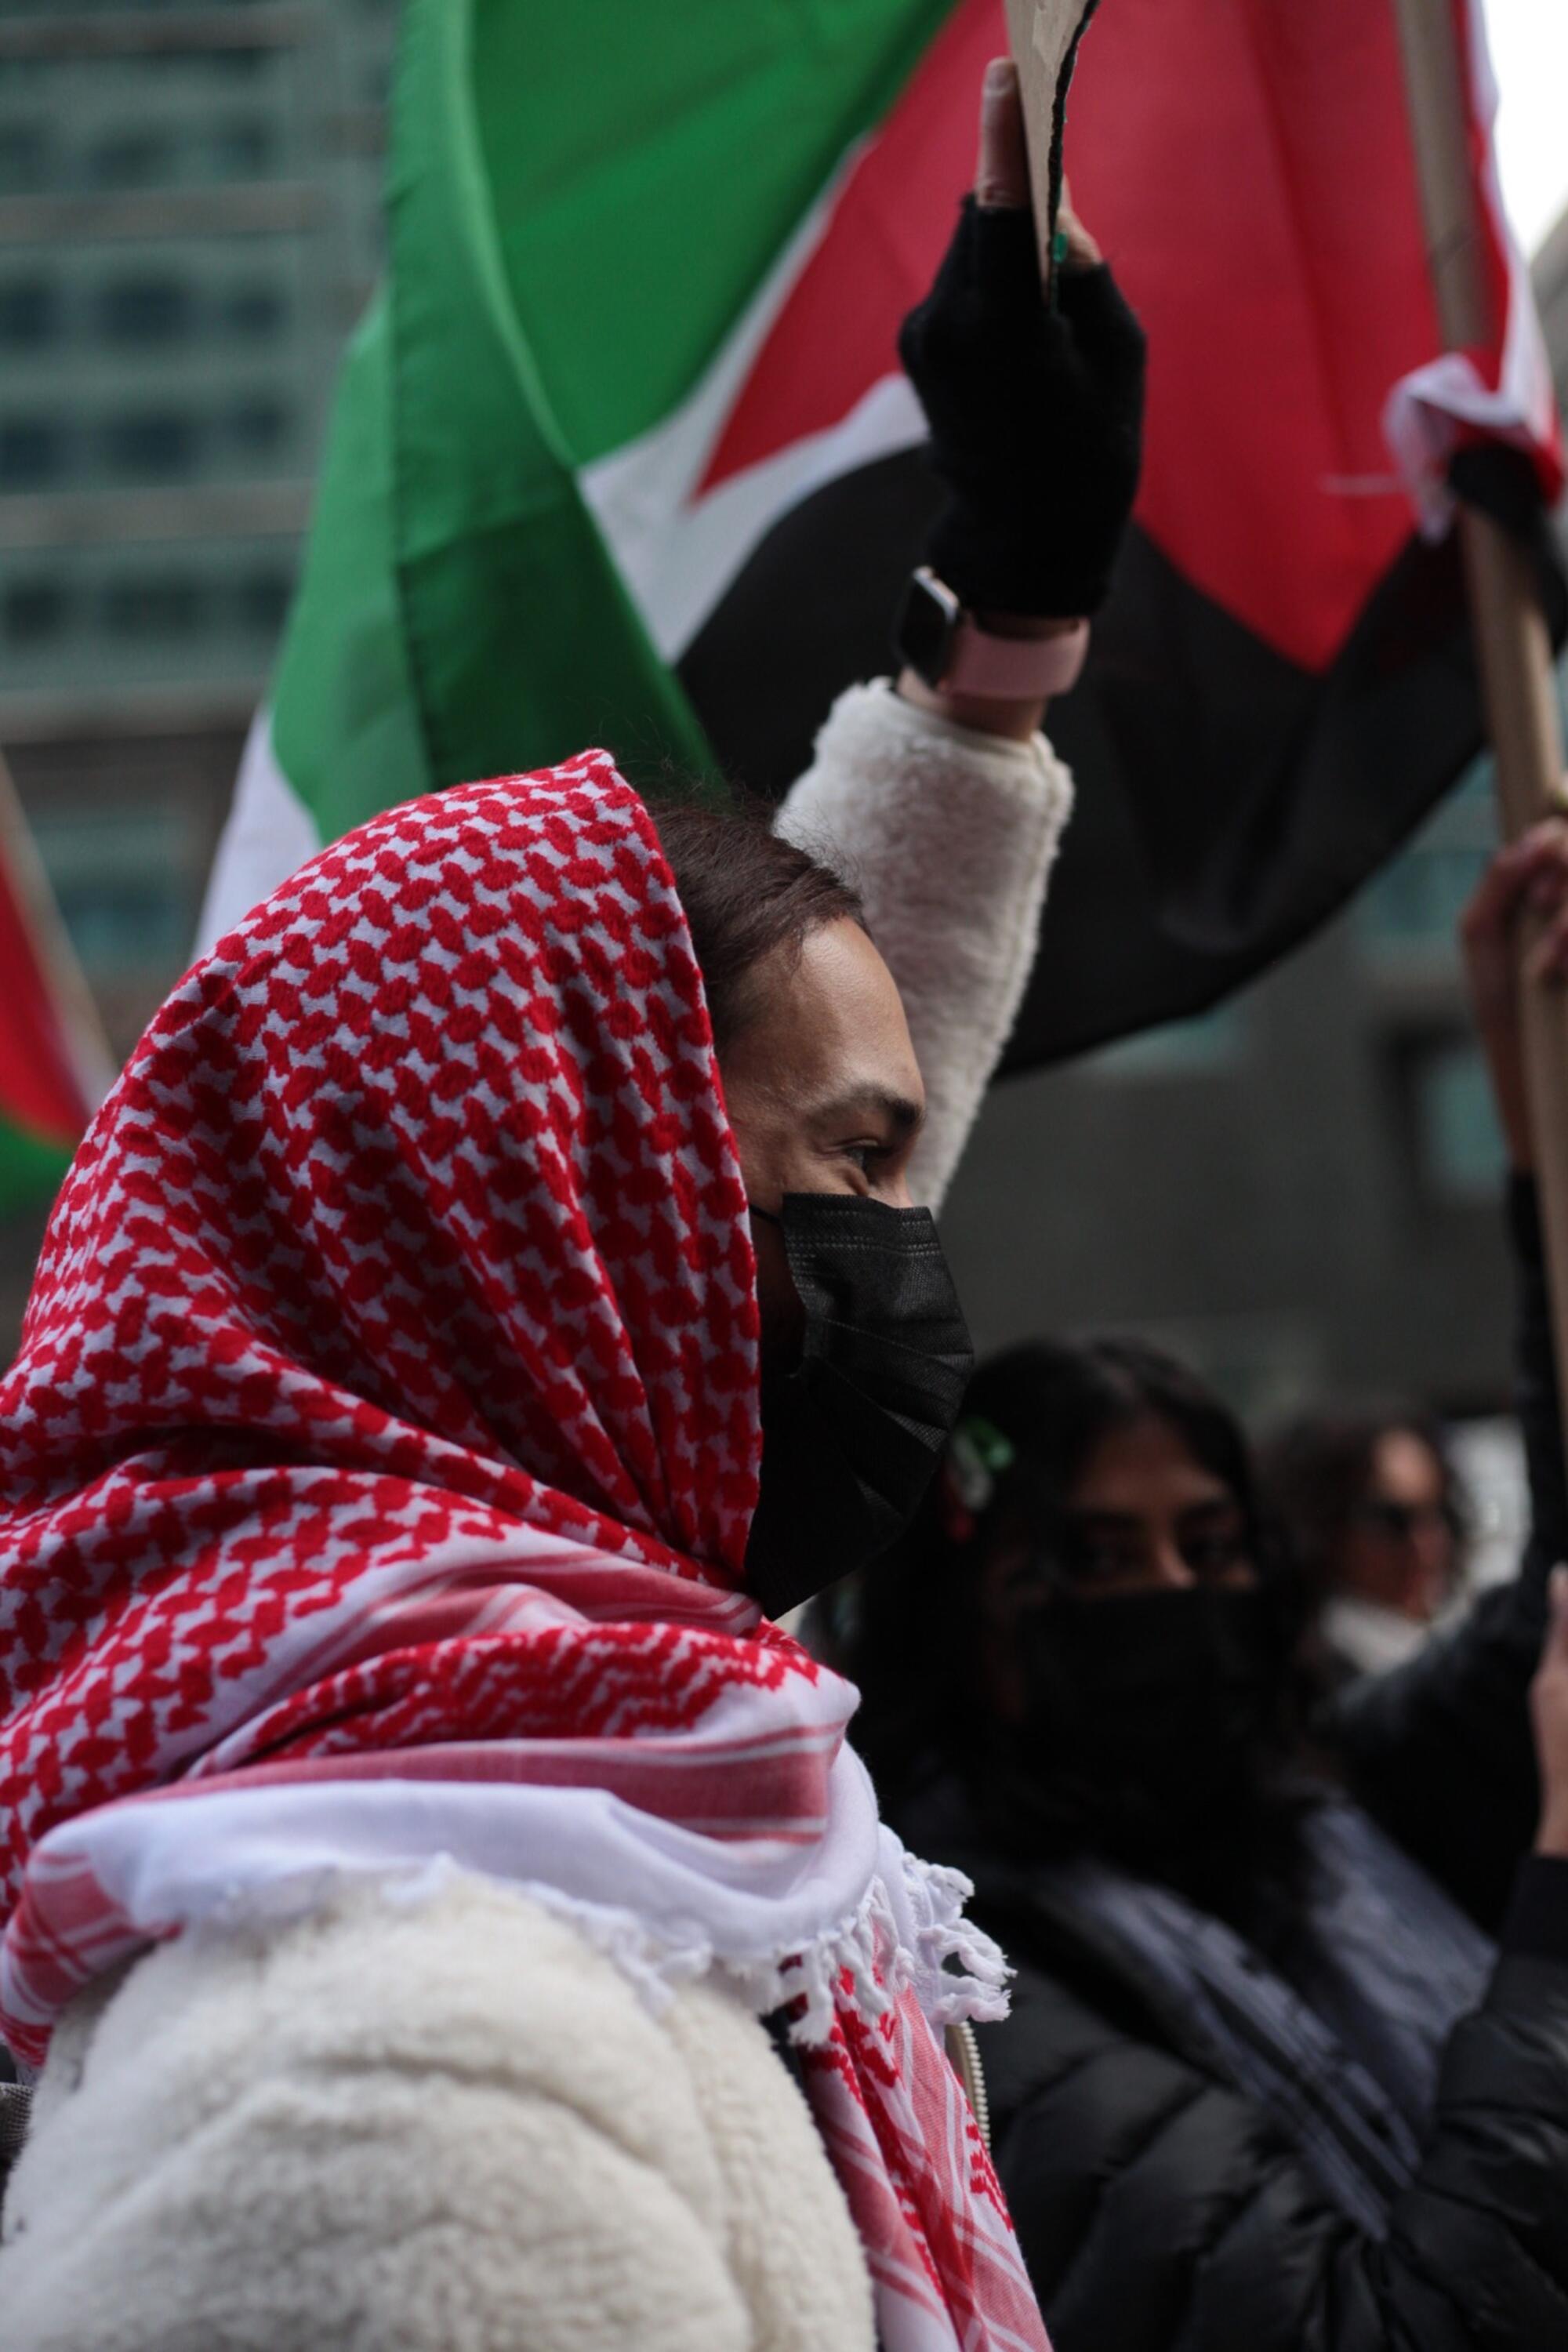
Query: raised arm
{"points": [[941, 795], [1440, 1750]]}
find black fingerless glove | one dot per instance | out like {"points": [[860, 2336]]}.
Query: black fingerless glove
{"points": [[1035, 412]]}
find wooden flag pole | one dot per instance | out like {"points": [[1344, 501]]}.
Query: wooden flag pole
{"points": [[1513, 650]]}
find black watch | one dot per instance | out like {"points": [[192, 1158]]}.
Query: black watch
{"points": [[947, 648]]}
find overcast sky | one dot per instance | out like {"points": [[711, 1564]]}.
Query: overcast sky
{"points": [[1529, 57]]}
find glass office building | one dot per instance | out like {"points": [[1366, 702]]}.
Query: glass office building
{"points": [[189, 224]]}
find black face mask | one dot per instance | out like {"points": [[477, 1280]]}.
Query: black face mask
{"points": [[852, 1432], [1148, 1716]]}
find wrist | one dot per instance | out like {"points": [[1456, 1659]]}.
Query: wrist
{"points": [[1551, 1837], [1505, 1071], [992, 668], [1018, 721], [998, 624]]}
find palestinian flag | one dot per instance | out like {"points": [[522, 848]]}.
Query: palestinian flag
{"points": [[623, 455], [54, 1066]]}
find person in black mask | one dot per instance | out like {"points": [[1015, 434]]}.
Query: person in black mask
{"points": [[1288, 2060], [1138, 1624], [865, 1354], [473, 2127], [1090, 1610]]}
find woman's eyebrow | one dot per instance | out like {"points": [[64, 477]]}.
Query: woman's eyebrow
{"points": [[904, 1117]]}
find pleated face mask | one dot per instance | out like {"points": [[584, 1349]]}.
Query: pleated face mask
{"points": [[854, 1428]]}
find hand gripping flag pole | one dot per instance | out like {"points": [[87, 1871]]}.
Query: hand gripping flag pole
{"points": [[1513, 649]]}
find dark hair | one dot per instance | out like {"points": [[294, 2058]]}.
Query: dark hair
{"points": [[1318, 1470], [909, 1633], [746, 894]]}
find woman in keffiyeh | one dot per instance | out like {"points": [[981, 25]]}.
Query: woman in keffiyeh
{"points": [[380, 1461], [444, 1906]]}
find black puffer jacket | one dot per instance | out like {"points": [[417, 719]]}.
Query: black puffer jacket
{"points": [[1159, 2207]]}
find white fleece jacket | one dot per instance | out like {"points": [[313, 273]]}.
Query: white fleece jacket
{"points": [[454, 2125], [442, 2127]]}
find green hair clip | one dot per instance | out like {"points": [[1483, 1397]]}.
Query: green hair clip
{"points": [[977, 1455]]}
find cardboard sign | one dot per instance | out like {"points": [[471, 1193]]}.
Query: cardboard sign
{"points": [[1044, 36]]}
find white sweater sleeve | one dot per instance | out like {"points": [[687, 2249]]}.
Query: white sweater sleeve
{"points": [[949, 835], [414, 2127]]}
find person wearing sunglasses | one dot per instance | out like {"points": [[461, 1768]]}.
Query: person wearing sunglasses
{"points": [[1287, 2063], [1375, 1516]]}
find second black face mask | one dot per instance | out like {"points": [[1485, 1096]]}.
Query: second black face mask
{"points": [[853, 1430], [1144, 1711]]}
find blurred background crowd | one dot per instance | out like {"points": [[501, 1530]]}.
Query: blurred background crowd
{"points": [[1297, 1192], [1267, 1361]]}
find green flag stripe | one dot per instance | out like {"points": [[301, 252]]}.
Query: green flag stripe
{"points": [[523, 643], [559, 278], [648, 165], [345, 726], [459, 614]]}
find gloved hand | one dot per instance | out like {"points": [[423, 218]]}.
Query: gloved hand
{"points": [[1036, 405]]}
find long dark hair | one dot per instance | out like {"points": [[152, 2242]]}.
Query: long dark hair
{"points": [[910, 1632]]}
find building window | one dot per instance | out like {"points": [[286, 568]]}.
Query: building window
{"points": [[1457, 1140], [123, 882], [255, 311], [132, 159], [159, 605], [159, 441], [1408, 915], [242, 150], [24, 158], [29, 313], [34, 451], [145, 310], [1210, 1045], [258, 426], [36, 612], [263, 600]]}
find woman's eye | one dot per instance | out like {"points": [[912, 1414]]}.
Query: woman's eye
{"points": [[1217, 1555], [1102, 1562]]}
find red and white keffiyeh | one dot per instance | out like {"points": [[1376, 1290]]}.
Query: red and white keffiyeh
{"points": [[377, 1467]]}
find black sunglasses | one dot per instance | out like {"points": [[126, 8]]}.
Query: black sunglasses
{"points": [[1385, 1516]]}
